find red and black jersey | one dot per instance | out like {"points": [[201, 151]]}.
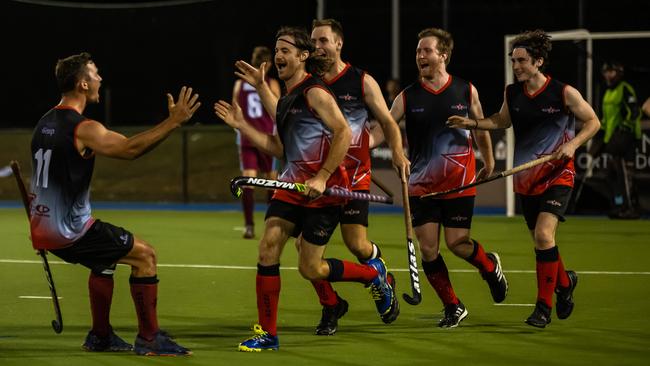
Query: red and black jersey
{"points": [[441, 158], [541, 123], [306, 141], [347, 87], [60, 208]]}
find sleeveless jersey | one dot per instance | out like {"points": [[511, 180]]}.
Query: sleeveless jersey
{"points": [[60, 207], [541, 123], [441, 158], [306, 141], [254, 113], [347, 87]]}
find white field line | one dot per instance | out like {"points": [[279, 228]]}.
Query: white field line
{"points": [[513, 304], [219, 266], [37, 297]]}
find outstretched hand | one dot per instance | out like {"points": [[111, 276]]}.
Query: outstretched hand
{"points": [[250, 73], [231, 114], [183, 109]]}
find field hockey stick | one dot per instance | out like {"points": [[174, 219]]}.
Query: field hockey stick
{"points": [[410, 247], [57, 324], [503, 174], [238, 182], [381, 185]]}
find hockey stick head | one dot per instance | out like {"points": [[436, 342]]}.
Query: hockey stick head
{"points": [[415, 300], [57, 326], [235, 189]]}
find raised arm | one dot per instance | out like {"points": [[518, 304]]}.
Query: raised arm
{"points": [[583, 112], [256, 77], [483, 139], [377, 105], [497, 121], [92, 135], [325, 106], [233, 116]]}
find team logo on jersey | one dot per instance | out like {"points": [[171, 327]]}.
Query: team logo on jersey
{"points": [[48, 131], [351, 212], [550, 110], [295, 110], [124, 238], [459, 107], [417, 110], [347, 97]]}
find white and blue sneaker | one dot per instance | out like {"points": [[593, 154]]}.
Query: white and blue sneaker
{"points": [[383, 293]]}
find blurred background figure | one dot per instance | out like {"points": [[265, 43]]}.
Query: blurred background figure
{"points": [[391, 90], [618, 136], [252, 160]]}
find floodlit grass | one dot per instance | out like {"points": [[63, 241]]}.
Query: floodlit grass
{"points": [[211, 308]]}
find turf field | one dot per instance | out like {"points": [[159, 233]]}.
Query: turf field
{"points": [[207, 299]]}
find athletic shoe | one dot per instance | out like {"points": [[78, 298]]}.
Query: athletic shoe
{"points": [[161, 345], [249, 232], [454, 314], [261, 341], [496, 279], [330, 318], [540, 316], [564, 296], [382, 292], [110, 343]]}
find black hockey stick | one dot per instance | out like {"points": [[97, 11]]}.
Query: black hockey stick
{"points": [[57, 324], [503, 174], [410, 248], [238, 182]]}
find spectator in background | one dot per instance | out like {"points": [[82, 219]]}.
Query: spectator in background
{"points": [[251, 159], [391, 90], [646, 107], [619, 132]]}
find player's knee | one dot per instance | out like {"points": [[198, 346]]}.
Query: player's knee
{"points": [[544, 239], [456, 246], [309, 271], [268, 252]]}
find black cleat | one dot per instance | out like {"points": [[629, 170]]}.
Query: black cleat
{"points": [[161, 345], [454, 314], [331, 315], [564, 296], [249, 232], [110, 343], [540, 316], [496, 279]]}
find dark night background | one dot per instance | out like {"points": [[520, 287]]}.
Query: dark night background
{"points": [[144, 53]]}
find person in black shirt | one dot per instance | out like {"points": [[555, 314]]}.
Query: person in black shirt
{"points": [[64, 145], [542, 112]]}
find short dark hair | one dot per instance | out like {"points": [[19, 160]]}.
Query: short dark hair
{"points": [[260, 54], [334, 24], [70, 70], [536, 42], [302, 41], [445, 40], [613, 65]]}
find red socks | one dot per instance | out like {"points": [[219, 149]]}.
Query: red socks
{"points": [[144, 291], [547, 274], [267, 286], [326, 294], [438, 277], [479, 260], [350, 272], [100, 289], [562, 278]]}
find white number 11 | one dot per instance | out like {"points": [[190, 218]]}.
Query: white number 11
{"points": [[42, 166]]}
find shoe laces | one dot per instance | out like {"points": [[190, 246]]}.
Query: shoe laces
{"points": [[259, 332]]}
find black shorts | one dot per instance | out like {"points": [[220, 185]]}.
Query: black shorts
{"points": [[356, 212], [455, 212], [315, 224], [99, 249], [554, 200]]}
